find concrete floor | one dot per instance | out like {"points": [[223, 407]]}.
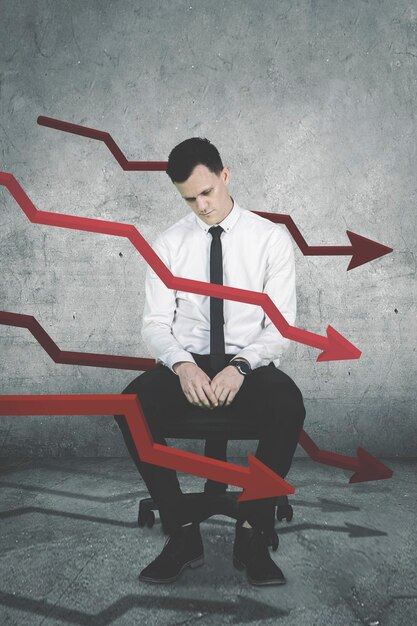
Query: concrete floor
{"points": [[71, 551]]}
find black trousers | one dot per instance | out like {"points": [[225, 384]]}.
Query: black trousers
{"points": [[268, 403]]}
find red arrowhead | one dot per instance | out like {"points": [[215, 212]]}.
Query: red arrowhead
{"points": [[263, 482], [338, 348], [365, 250], [370, 468]]}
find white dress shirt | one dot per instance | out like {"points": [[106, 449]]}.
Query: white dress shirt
{"points": [[257, 255]]}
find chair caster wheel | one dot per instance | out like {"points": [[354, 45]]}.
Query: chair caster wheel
{"points": [[146, 518], [285, 511]]}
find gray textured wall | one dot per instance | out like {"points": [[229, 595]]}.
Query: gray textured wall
{"points": [[313, 106]]}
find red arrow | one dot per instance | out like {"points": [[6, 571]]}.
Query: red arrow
{"points": [[365, 466], [73, 358], [257, 481], [334, 346], [93, 359], [362, 249]]}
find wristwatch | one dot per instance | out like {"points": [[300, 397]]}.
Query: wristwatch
{"points": [[241, 365]]}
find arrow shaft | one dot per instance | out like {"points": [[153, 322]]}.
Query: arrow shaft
{"points": [[329, 251], [106, 138], [281, 218], [65, 404], [147, 449], [338, 460], [113, 404], [176, 459], [327, 457], [197, 465], [73, 358]]}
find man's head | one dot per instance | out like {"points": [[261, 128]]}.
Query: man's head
{"points": [[197, 171]]}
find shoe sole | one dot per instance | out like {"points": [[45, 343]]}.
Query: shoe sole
{"points": [[195, 563], [241, 566]]}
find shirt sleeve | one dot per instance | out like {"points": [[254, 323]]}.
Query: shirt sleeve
{"points": [[279, 284], [158, 314]]}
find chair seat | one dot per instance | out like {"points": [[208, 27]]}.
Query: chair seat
{"points": [[218, 423]]}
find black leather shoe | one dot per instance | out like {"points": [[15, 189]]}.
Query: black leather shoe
{"points": [[250, 550], [183, 548]]}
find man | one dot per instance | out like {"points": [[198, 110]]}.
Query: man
{"points": [[220, 356]]}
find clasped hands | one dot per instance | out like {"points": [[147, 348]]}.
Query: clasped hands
{"points": [[203, 392]]}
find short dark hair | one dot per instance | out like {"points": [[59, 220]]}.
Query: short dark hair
{"points": [[189, 153]]}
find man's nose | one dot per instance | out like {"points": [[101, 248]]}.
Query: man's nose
{"points": [[202, 203]]}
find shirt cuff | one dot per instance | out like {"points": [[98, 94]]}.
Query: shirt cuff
{"points": [[181, 355], [252, 357]]}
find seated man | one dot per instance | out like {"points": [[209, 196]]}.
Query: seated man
{"points": [[220, 356]]}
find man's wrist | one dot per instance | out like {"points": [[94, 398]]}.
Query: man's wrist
{"points": [[239, 358], [242, 365], [177, 365]]}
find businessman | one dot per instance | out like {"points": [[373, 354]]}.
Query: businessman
{"points": [[219, 357]]}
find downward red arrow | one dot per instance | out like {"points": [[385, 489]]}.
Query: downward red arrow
{"points": [[334, 346], [365, 466], [257, 481], [362, 250]]}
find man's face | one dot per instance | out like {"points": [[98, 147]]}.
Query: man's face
{"points": [[207, 194]]}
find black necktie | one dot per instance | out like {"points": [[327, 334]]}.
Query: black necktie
{"points": [[217, 351]]}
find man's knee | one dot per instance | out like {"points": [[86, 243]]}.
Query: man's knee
{"points": [[134, 387], [147, 386], [283, 395], [136, 384]]}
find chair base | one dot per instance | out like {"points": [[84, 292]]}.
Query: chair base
{"points": [[223, 504]]}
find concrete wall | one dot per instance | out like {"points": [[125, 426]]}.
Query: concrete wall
{"points": [[313, 106]]}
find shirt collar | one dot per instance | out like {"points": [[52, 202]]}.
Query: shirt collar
{"points": [[228, 222]]}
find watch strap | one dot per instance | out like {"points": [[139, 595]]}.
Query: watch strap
{"points": [[242, 365]]}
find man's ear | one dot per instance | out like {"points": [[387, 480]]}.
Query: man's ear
{"points": [[226, 173]]}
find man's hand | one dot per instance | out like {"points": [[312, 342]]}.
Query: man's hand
{"points": [[226, 384], [196, 384]]}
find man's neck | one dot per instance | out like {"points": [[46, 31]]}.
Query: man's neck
{"points": [[229, 211]]}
